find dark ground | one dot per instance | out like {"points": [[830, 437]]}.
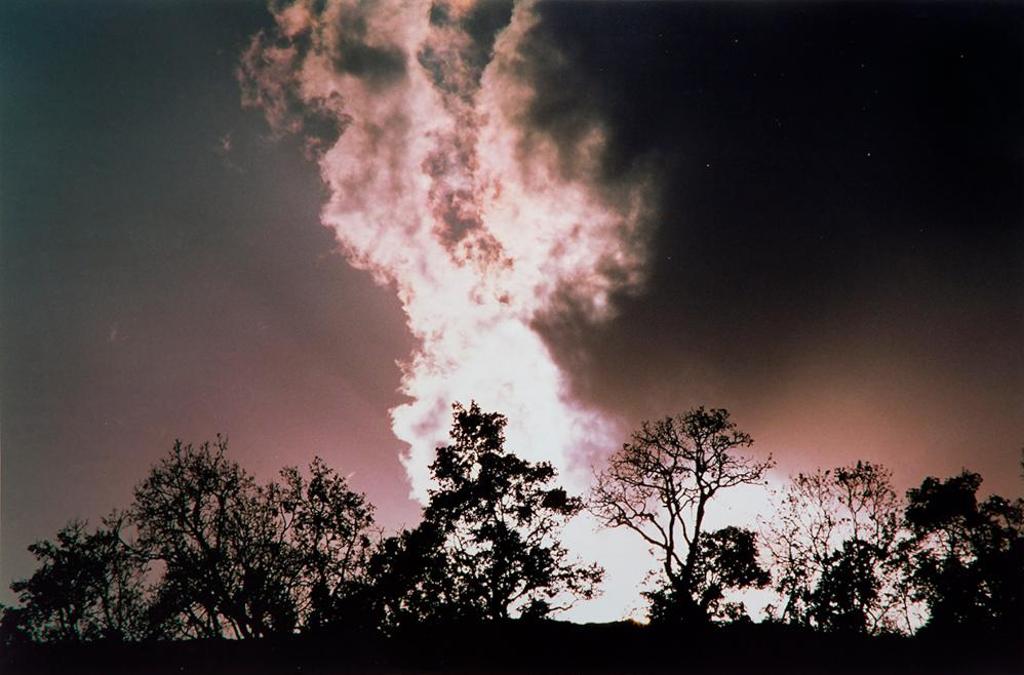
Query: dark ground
{"points": [[542, 647]]}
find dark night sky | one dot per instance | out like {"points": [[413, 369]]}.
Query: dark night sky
{"points": [[838, 255]]}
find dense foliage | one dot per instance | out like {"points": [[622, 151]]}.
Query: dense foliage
{"points": [[206, 551], [488, 547]]}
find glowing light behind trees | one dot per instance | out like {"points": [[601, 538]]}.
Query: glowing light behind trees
{"points": [[439, 186]]}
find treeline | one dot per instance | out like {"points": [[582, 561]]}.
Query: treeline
{"points": [[205, 551]]}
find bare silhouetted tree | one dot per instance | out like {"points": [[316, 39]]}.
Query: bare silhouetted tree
{"points": [[660, 486], [835, 542]]}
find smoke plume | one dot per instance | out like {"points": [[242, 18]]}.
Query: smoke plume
{"points": [[419, 116]]}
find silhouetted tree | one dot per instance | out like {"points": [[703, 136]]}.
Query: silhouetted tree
{"points": [[727, 560], [660, 486], [203, 518], [90, 585], [327, 526], [243, 559], [968, 556], [834, 539], [488, 547], [408, 581]]}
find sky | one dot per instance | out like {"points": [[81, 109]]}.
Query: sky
{"points": [[313, 231]]}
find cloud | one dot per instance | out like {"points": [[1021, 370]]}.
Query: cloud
{"points": [[443, 185]]}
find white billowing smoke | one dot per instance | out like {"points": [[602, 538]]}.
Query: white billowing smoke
{"points": [[418, 115]]}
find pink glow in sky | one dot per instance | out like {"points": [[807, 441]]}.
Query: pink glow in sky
{"points": [[582, 215], [439, 188]]}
